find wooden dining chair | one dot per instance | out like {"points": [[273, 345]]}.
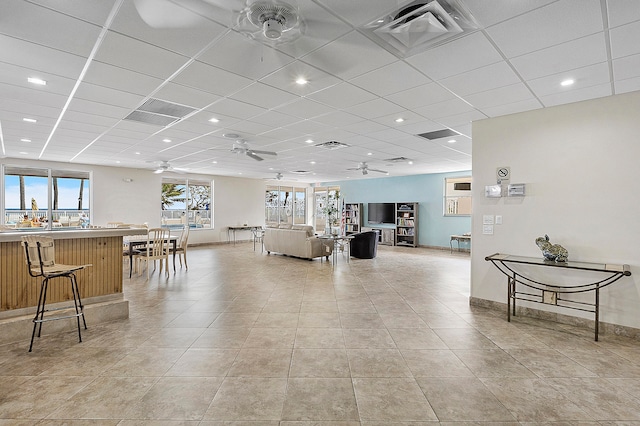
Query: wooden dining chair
{"points": [[157, 248]]}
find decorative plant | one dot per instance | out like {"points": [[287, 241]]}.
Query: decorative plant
{"points": [[332, 209]]}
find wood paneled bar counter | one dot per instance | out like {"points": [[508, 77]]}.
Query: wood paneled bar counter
{"points": [[100, 285]]}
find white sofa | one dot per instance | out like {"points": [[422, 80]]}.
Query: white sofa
{"points": [[295, 240]]}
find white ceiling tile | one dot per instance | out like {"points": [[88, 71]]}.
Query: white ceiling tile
{"points": [[135, 55], [627, 67], [307, 127], [461, 55], [249, 128], [624, 40], [567, 56], [233, 108], [275, 119], [444, 109], [107, 75], [264, 96], [622, 12], [593, 75], [391, 78], [513, 108], [342, 96], [338, 119], [628, 85], [240, 55], [211, 79], [502, 95], [357, 14], [285, 79], [104, 95], [32, 96], [488, 13], [453, 121], [547, 26], [578, 95], [62, 32], [364, 127], [481, 79], [184, 95], [427, 94], [375, 108], [349, 56], [304, 108]]}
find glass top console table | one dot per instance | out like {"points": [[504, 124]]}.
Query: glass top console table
{"points": [[522, 287]]}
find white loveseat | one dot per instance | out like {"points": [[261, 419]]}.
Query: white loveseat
{"points": [[295, 240]]}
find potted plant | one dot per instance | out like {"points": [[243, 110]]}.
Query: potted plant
{"points": [[332, 211]]}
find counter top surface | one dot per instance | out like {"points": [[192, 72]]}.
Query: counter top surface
{"points": [[73, 233]]}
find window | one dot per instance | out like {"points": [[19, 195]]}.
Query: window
{"points": [[457, 196], [285, 204], [45, 198], [328, 208], [187, 202]]}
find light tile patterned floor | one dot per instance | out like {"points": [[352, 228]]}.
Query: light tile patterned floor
{"points": [[245, 338]]}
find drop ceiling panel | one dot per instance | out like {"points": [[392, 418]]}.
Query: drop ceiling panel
{"points": [[584, 77], [240, 55], [458, 56], [427, 94], [349, 56], [17, 76], [391, 78], [24, 20], [481, 79], [304, 108], [264, 96], [135, 55], [502, 95], [338, 119], [179, 94], [285, 79], [625, 68], [490, 13], [376, 108], [97, 108], [107, 75], [628, 85], [622, 12], [444, 109], [104, 95], [249, 128], [342, 96], [547, 26], [233, 108], [567, 56], [32, 96], [577, 95], [453, 121], [187, 40], [307, 127], [211, 79], [624, 40], [357, 14], [512, 108]]}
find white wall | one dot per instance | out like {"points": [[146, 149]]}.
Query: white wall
{"points": [[580, 164], [236, 200]]}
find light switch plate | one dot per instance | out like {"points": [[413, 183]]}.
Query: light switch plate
{"points": [[498, 219]]}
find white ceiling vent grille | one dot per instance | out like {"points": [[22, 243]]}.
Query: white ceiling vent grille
{"points": [[421, 24], [159, 112], [332, 145]]}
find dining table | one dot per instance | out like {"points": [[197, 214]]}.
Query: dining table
{"points": [[142, 240]]}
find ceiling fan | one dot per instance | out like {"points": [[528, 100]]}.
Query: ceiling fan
{"points": [[242, 148], [266, 20], [164, 166], [364, 167]]}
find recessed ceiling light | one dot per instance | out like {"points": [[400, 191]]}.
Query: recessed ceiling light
{"points": [[214, 120], [117, 161], [30, 120], [24, 153], [313, 162], [302, 81], [399, 120], [410, 162], [270, 168], [309, 141], [25, 140], [239, 173], [567, 82], [166, 140], [37, 81], [369, 153], [214, 162], [137, 153], [451, 141]]}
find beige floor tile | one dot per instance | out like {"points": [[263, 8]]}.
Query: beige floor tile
{"points": [[270, 338], [243, 398], [361, 338], [492, 363], [319, 319], [361, 320], [319, 338], [145, 362], [222, 338], [377, 363], [549, 363], [203, 362], [434, 363], [277, 319], [252, 362], [320, 399], [416, 338], [391, 399], [328, 363]]}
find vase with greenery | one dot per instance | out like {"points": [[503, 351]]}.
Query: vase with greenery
{"points": [[332, 210]]}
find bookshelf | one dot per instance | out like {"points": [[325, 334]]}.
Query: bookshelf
{"points": [[352, 218], [407, 224]]}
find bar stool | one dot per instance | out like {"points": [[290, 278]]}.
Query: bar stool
{"points": [[40, 256]]}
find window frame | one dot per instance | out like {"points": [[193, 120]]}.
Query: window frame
{"points": [[196, 218], [451, 197]]}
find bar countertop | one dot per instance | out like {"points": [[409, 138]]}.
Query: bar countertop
{"points": [[11, 236]]}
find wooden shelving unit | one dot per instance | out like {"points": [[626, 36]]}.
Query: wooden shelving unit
{"points": [[407, 224], [352, 218]]}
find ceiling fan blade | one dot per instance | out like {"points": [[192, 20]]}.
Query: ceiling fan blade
{"points": [[355, 168], [376, 170], [255, 157], [254, 151], [165, 14]]}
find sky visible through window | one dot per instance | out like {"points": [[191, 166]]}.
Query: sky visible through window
{"points": [[36, 187]]}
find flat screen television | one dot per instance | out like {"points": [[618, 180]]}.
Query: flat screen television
{"points": [[381, 212]]}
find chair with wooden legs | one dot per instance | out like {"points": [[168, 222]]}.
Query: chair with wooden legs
{"points": [[40, 256], [181, 247], [157, 249]]}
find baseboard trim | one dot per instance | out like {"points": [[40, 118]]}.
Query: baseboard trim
{"points": [[604, 329]]}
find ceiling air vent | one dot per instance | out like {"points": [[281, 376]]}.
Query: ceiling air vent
{"points": [[159, 112], [419, 25], [439, 134], [332, 145]]}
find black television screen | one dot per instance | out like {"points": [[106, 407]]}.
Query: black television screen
{"points": [[381, 213]]}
